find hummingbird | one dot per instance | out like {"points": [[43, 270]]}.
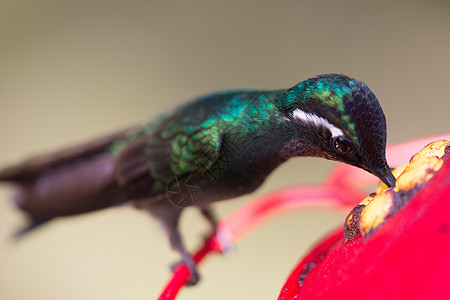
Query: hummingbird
{"points": [[215, 147]]}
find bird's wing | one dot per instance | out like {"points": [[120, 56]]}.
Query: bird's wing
{"points": [[179, 154]]}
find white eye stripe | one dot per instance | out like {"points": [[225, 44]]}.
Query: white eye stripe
{"points": [[317, 121]]}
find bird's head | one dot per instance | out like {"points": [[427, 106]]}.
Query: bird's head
{"points": [[339, 118]]}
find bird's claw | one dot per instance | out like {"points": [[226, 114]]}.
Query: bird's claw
{"points": [[194, 277]]}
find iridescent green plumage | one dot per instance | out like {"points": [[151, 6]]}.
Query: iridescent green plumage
{"points": [[194, 133]]}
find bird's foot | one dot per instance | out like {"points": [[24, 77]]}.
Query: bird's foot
{"points": [[225, 245], [187, 260]]}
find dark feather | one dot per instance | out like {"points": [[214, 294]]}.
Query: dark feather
{"points": [[28, 228], [70, 188], [71, 181], [131, 163]]}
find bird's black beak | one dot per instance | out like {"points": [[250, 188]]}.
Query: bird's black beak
{"points": [[386, 177]]}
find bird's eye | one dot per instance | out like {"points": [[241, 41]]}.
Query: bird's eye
{"points": [[341, 144]]}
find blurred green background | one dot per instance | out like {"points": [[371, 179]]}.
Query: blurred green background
{"points": [[71, 70]]}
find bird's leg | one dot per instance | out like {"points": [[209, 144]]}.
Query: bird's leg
{"points": [[210, 217], [170, 223], [177, 245], [226, 245]]}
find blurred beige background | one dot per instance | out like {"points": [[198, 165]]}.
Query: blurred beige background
{"points": [[71, 70]]}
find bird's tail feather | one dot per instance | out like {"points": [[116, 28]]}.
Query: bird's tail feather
{"points": [[71, 181], [70, 188], [31, 226]]}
